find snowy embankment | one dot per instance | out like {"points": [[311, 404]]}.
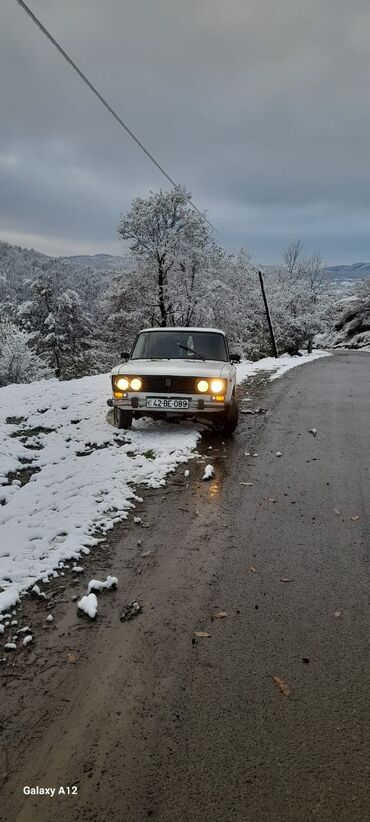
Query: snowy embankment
{"points": [[278, 366], [67, 476]]}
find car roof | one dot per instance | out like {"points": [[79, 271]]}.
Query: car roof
{"points": [[184, 328]]}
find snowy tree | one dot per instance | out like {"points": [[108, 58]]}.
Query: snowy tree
{"points": [[58, 325], [237, 306], [298, 293], [18, 362], [175, 260]]}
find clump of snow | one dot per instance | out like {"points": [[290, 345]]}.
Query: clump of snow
{"points": [[137, 520], [10, 646], [209, 472], [187, 473], [279, 454], [36, 590], [50, 618], [2, 628], [27, 640], [98, 585], [78, 569], [88, 605]]}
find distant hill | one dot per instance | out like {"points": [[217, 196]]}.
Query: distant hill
{"points": [[90, 275], [347, 273], [100, 262]]}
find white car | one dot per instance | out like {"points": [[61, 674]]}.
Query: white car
{"points": [[177, 373]]}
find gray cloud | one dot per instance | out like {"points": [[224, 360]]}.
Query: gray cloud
{"points": [[260, 108]]}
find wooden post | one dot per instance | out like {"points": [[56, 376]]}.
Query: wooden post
{"points": [[273, 343]]}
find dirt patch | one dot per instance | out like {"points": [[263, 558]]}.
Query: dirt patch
{"points": [[23, 475], [26, 433], [90, 447], [253, 387]]}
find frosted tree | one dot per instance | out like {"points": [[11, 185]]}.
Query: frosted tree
{"points": [[58, 325], [174, 260], [19, 363], [298, 293]]}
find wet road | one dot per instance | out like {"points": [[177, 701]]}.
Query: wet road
{"points": [[154, 724]]}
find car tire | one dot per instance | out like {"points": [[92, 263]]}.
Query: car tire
{"points": [[231, 418], [122, 419]]}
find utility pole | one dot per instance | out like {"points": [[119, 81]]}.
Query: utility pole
{"points": [[273, 343]]}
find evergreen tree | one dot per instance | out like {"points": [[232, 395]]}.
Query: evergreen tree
{"points": [[58, 325]]}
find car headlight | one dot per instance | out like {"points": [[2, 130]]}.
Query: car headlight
{"points": [[136, 384], [218, 386], [121, 383], [203, 386]]}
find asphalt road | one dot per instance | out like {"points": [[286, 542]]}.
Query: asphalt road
{"points": [[151, 723]]}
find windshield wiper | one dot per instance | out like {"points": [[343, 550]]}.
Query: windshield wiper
{"points": [[191, 351]]}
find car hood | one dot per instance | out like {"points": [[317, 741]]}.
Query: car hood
{"points": [[173, 368]]}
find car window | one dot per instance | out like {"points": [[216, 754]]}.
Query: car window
{"points": [[180, 345]]}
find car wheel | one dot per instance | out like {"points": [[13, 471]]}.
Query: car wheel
{"points": [[122, 419], [230, 420]]}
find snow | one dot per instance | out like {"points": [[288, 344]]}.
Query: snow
{"points": [[98, 585], [73, 501], [209, 472], [278, 366], [50, 618], [88, 471], [27, 640], [88, 605], [2, 628]]}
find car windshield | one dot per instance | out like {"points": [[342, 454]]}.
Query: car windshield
{"points": [[180, 345]]}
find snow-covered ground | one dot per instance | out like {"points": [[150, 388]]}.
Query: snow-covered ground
{"points": [[278, 366], [86, 473]]}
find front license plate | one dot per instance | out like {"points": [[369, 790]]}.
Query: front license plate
{"points": [[162, 402]]}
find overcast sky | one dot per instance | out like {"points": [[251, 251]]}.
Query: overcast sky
{"points": [[260, 107]]}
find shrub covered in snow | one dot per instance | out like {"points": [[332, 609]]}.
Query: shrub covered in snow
{"points": [[19, 363]]}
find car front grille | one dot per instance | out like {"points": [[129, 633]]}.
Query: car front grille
{"points": [[169, 385]]}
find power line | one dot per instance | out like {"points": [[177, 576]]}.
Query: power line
{"points": [[110, 109]]}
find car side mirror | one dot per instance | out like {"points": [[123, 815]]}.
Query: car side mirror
{"points": [[125, 355], [234, 358]]}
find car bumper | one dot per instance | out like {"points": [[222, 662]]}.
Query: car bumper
{"points": [[137, 403]]}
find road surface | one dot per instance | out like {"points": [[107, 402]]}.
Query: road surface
{"points": [[149, 722]]}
